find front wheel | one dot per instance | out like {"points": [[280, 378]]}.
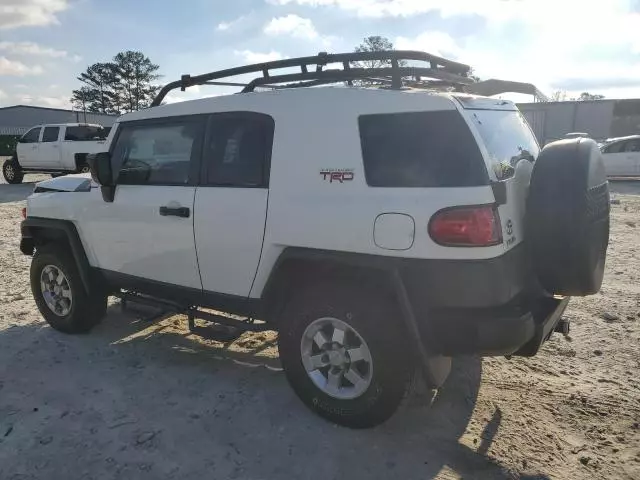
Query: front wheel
{"points": [[12, 171], [342, 352], [60, 294]]}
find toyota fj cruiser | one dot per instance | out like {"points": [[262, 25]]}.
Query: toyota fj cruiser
{"points": [[379, 228]]}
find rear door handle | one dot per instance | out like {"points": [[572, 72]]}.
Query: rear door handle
{"points": [[183, 212]]}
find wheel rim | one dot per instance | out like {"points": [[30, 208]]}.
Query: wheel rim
{"points": [[336, 358], [56, 290], [9, 172]]}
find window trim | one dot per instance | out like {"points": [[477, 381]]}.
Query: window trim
{"points": [[196, 150], [265, 119], [44, 129]]}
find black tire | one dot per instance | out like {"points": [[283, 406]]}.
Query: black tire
{"points": [[568, 217], [12, 172], [376, 320], [86, 311]]}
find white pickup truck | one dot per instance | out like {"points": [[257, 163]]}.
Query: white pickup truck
{"points": [[55, 149]]}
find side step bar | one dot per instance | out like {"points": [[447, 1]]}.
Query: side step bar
{"points": [[223, 328]]}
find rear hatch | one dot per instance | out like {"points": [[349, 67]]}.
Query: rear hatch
{"points": [[510, 149]]}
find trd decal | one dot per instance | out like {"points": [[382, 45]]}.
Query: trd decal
{"points": [[337, 175]]}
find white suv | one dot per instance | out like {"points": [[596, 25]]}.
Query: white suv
{"points": [[378, 229]]}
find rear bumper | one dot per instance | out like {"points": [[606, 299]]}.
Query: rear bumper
{"points": [[482, 307], [516, 329]]}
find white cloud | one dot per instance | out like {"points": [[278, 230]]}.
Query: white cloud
{"points": [[44, 101], [2, 95], [258, 57], [225, 26], [438, 43], [23, 13], [30, 48], [19, 69], [292, 25]]}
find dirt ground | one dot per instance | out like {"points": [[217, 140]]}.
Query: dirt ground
{"points": [[136, 399]]}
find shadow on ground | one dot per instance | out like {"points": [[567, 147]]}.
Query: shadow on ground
{"points": [[134, 400]]}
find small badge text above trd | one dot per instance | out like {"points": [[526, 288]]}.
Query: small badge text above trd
{"points": [[337, 175]]}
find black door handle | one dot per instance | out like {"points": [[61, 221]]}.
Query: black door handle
{"points": [[183, 212]]}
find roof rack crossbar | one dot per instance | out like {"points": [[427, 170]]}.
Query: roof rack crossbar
{"points": [[440, 67], [360, 73]]}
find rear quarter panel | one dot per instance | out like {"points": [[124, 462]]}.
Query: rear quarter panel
{"points": [[307, 208]]}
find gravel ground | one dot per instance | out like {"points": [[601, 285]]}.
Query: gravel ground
{"points": [[145, 400]]}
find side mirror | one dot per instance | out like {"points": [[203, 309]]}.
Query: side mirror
{"points": [[100, 164], [102, 173]]}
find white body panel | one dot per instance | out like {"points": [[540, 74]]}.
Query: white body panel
{"points": [[229, 228], [130, 236], [623, 164]]}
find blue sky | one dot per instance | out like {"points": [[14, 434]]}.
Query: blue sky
{"points": [[557, 44]]}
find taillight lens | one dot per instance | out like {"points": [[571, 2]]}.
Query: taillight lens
{"points": [[477, 226], [24, 212]]}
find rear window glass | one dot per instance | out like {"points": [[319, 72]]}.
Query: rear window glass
{"points": [[84, 134], [420, 149], [507, 137]]}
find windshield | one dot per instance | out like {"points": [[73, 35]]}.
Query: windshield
{"points": [[507, 137]]}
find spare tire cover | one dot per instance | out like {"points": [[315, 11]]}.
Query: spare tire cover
{"points": [[567, 219]]}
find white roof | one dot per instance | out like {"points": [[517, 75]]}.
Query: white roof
{"points": [[307, 101]]}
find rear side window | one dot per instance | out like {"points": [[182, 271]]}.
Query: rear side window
{"points": [[238, 152], [50, 134], [420, 149], [84, 134]]}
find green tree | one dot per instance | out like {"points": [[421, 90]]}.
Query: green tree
{"points": [[135, 76], [584, 96], [125, 84], [374, 43]]}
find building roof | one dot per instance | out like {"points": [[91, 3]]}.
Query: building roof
{"points": [[54, 110]]}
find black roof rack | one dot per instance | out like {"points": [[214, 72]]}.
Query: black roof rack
{"points": [[394, 72]]}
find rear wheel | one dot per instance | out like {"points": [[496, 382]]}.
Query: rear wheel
{"points": [[342, 352], [12, 171], [60, 294]]}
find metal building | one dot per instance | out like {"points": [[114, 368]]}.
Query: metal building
{"points": [[601, 119], [18, 119]]}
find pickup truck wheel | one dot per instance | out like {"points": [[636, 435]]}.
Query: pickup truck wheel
{"points": [[12, 171], [60, 294], [343, 354]]}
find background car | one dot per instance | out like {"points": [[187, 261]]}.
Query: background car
{"points": [[622, 156]]}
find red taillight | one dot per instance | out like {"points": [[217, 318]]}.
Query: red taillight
{"points": [[24, 212], [477, 226]]}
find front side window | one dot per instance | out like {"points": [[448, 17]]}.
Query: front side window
{"points": [[50, 134], [84, 133], [239, 150], [615, 147], [420, 149], [157, 154], [31, 136]]}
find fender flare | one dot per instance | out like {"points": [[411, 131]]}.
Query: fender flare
{"points": [[39, 231]]}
